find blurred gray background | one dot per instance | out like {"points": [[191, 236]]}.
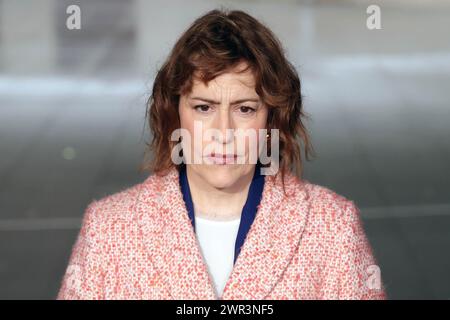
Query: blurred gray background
{"points": [[72, 126]]}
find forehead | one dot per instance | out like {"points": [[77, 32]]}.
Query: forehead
{"points": [[231, 82]]}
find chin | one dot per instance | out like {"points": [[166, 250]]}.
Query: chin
{"points": [[223, 176]]}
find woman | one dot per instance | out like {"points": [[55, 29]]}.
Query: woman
{"points": [[227, 226]]}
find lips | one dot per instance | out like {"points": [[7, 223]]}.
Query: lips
{"points": [[222, 158], [218, 155]]}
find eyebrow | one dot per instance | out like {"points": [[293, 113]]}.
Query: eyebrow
{"points": [[232, 102]]}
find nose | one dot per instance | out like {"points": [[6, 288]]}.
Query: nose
{"points": [[224, 123]]}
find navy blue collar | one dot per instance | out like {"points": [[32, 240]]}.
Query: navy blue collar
{"points": [[248, 212]]}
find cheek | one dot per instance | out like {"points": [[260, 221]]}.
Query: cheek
{"points": [[197, 137], [256, 126], [186, 121], [262, 118]]}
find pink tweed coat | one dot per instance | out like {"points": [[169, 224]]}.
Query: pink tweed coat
{"points": [[139, 244]]}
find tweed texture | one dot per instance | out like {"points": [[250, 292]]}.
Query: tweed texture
{"points": [[139, 244]]}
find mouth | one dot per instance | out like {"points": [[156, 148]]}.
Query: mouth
{"points": [[218, 158]]}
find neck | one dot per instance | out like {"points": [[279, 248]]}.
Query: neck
{"points": [[218, 204]]}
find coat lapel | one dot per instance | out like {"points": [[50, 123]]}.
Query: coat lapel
{"points": [[175, 252], [271, 241], [170, 239]]}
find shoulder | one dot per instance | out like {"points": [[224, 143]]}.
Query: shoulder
{"points": [[334, 222], [319, 197], [120, 206], [115, 204], [326, 207], [328, 201], [334, 241]]}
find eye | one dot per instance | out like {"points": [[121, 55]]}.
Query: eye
{"points": [[246, 110], [203, 108]]}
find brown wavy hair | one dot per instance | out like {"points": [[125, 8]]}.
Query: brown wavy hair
{"points": [[214, 44]]}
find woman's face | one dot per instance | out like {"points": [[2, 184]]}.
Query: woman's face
{"points": [[228, 102]]}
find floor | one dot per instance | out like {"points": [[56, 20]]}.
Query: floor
{"points": [[72, 122]]}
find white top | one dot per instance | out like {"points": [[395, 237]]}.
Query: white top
{"points": [[217, 240]]}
